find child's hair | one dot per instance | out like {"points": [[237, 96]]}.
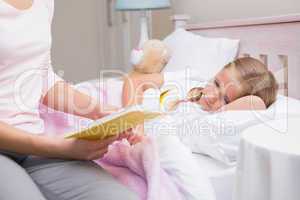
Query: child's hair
{"points": [[255, 79]]}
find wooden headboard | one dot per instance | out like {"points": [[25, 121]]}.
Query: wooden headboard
{"points": [[274, 40]]}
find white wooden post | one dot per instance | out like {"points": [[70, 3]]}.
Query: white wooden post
{"points": [[180, 21]]}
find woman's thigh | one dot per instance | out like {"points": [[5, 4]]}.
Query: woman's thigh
{"points": [[15, 183], [74, 180]]}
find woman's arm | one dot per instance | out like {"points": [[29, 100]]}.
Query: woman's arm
{"points": [[63, 97], [18, 141], [246, 103]]}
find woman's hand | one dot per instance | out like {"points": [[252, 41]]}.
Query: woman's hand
{"points": [[83, 149], [135, 135], [19, 141], [135, 139], [80, 149]]}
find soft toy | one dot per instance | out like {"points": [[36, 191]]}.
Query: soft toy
{"points": [[151, 58], [148, 62]]}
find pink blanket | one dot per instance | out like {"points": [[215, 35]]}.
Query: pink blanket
{"points": [[159, 169], [138, 168]]}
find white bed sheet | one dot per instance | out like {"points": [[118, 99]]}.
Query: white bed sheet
{"points": [[221, 176]]}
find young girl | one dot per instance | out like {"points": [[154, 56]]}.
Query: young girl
{"points": [[244, 84]]}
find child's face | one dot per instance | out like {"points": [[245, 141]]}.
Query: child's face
{"points": [[223, 89]]}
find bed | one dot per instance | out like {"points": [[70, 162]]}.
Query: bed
{"points": [[276, 42], [273, 40]]}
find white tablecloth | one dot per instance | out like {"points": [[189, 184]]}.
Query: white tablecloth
{"points": [[269, 162]]}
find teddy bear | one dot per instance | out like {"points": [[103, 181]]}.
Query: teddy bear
{"points": [[148, 63], [152, 57]]}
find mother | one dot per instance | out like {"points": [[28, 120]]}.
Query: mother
{"points": [[27, 79]]}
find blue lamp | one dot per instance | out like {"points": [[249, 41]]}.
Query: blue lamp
{"points": [[144, 6]]}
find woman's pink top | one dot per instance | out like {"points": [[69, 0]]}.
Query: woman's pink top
{"points": [[26, 73]]}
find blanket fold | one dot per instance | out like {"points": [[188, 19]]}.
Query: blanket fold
{"points": [[138, 167]]}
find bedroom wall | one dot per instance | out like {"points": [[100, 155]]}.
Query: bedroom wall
{"points": [[87, 39], [215, 10], [161, 24], [78, 43], [76, 49]]}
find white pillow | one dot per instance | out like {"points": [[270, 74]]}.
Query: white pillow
{"points": [[203, 56], [221, 138], [218, 135]]}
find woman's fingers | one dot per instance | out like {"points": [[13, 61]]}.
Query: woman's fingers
{"points": [[97, 149], [126, 134], [135, 138], [123, 136], [97, 154], [106, 142]]}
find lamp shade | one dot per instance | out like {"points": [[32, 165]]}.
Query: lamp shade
{"points": [[142, 4]]}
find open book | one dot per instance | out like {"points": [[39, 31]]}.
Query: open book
{"points": [[115, 123]]}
